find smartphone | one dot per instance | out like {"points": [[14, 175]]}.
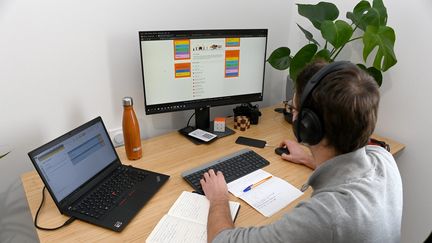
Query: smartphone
{"points": [[251, 142]]}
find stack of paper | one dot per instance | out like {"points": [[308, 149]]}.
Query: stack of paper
{"points": [[268, 197]]}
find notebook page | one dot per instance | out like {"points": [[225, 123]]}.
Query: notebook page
{"points": [[271, 196], [186, 220], [236, 187], [172, 230], [195, 207], [267, 198]]}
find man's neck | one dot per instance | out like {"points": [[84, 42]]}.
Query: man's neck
{"points": [[322, 152]]}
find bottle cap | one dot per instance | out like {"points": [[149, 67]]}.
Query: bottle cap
{"points": [[127, 101]]}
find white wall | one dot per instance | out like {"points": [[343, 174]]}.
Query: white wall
{"points": [[405, 114], [63, 63]]}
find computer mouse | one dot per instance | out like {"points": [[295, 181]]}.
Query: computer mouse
{"points": [[281, 150]]}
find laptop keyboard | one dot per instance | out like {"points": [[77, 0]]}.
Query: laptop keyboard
{"points": [[111, 193], [233, 166]]}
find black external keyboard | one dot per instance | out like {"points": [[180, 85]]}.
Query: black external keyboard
{"points": [[233, 166], [110, 193]]}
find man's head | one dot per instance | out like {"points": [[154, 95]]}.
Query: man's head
{"points": [[342, 107]]}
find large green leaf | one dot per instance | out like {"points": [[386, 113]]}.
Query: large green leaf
{"points": [[308, 35], [372, 71], [280, 58], [301, 58], [323, 54], [319, 12], [379, 6], [364, 15], [358, 11], [337, 33], [383, 38]]}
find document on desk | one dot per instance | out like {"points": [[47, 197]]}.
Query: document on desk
{"points": [[186, 221], [268, 197]]}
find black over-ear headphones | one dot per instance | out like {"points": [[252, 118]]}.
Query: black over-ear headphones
{"points": [[308, 127]]}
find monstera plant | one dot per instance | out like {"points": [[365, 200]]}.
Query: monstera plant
{"points": [[367, 23]]}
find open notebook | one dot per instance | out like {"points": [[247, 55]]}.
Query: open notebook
{"points": [[186, 221]]}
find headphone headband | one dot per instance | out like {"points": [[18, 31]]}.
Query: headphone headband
{"points": [[320, 75], [308, 127]]}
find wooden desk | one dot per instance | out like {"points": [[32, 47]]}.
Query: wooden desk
{"points": [[172, 154]]}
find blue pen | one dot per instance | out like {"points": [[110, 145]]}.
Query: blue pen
{"points": [[256, 184]]}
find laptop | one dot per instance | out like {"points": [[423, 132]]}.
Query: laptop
{"points": [[86, 179]]}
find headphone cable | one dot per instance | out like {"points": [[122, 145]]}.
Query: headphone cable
{"points": [[70, 220]]}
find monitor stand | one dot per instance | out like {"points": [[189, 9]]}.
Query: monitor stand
{"points": [[202, 121]]}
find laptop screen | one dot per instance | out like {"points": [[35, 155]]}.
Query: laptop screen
{"points": [[73, 161]]}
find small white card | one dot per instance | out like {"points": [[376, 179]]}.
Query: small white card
{"points": [[202, 135]]}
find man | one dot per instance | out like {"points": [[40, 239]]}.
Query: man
{"points": [[357, 193]]}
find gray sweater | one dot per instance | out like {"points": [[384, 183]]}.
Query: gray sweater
{"points": [[357, 198]]}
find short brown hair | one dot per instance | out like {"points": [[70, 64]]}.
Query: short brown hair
{"points": [[346, 102]]}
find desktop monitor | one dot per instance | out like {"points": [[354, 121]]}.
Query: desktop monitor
{"points": [[199, 69]]}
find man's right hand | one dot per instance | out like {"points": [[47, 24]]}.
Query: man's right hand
{"points": [[297, 154], [214, 186], [216, 191]]}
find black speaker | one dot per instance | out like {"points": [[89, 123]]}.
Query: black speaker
{"points": [[308, 127]]}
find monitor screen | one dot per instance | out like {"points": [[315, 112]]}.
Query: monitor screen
{"points": [[202, 68]]}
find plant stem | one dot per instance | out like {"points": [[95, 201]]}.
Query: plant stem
{"points": [[355, 28], [332, 51], [344, 46], [338, 52], [353, 39], [3, 155]]}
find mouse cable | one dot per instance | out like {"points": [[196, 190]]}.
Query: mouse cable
{"points": [[70, 220], [190, 119]]}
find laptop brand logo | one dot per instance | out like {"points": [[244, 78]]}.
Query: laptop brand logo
{"points": [[118, 224], [158, 179]]}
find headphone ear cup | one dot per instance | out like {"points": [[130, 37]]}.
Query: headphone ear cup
{"points": [[309, 129]]}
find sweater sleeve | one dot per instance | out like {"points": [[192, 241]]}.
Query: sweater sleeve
{"points": [[308, 222]]}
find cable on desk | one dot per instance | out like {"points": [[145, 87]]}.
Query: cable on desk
{"points": [[190, 119], [70, 220]]}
